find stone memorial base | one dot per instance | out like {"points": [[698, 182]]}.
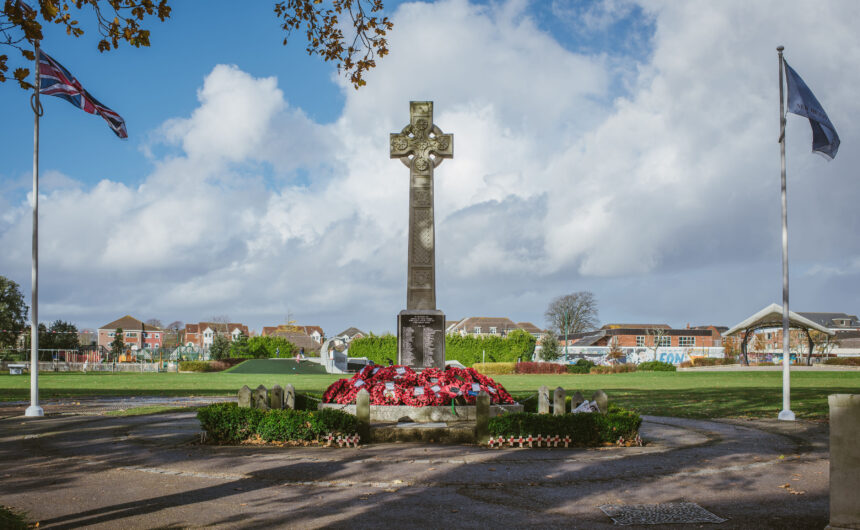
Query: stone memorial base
{"points": [[421, 338], [396, 413]]}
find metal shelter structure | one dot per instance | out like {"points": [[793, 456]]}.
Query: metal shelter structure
{"points": [[771, 317]]}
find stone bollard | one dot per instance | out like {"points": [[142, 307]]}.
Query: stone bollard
{"points": [[602, 401], [276, 398], [261, 398], [844, 460], [290, 397], [482, 418], [362, 412], [543, 400], [576, 400], [245, 397], [558, 402]]}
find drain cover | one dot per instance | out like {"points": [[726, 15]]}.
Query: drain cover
{"points": [[667, 513]]}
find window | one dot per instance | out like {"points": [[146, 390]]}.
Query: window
{"points": [[145, 335], [493, 330], [664, 342], [111, 334], [640, 340], [686, 341], [477, 329], [130, 334]]}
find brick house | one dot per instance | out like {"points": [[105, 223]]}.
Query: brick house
{"points": [[136, 334], [314, 332], [203, 334]]}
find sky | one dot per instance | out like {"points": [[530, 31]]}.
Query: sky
{"points": [[627, 148]]}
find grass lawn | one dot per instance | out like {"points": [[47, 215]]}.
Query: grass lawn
{"points": [[684, 394]]}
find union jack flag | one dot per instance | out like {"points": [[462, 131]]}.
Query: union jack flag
{"points": [[57, 81]]}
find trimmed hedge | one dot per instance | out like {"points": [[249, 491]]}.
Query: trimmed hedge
{"points": [[539, 368], [656, 366], [494, 368], [227, 423], [195, 366], [467, 350], [581, 366], [586, 429]]}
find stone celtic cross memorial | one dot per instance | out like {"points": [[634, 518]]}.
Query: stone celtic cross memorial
{"points": [[421, 146]]}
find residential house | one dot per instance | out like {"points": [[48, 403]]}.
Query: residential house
{"points": [[314, 332], [202, 334], [136, 334], [348, 335], [490, 326]]}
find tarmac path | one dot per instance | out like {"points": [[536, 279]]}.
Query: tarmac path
{"points": [[71, 471]]}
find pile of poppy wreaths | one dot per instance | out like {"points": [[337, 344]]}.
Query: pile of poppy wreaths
{"points": [[400, 385]]}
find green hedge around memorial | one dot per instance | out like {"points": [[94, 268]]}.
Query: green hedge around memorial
{"points": [[227, 423], [468, 350], [585, 429]]}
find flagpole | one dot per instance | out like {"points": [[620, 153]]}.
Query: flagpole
{"points": [[786, 413], [34, 409]]}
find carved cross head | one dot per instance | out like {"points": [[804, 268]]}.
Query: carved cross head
{"points": [[421, 145]]}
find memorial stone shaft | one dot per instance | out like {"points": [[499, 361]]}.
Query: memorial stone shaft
{"points": [[421, 146]]}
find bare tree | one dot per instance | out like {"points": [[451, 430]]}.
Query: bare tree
{"points": [[155, 323], [572, 313], [657, 338]]}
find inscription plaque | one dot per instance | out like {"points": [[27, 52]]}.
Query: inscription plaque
{"points": [[421, 339]]}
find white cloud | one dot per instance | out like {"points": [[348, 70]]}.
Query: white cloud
{"points": [[552, 188]]}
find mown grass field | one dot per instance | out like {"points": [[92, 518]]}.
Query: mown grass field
{"points": [[683, 394]]}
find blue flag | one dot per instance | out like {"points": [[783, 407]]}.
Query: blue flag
{"points": [[802, 102]]}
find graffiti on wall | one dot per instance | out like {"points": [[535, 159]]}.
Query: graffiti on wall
{"points": [[637, 355]]}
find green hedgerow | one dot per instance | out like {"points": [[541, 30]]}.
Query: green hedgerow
{"points": [[586, 429], [226, 422]]}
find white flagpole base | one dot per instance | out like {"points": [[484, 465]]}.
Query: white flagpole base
{"points": [[786, 415], [34, 411]]}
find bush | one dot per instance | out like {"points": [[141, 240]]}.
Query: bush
{"points": [[539, 368], [226, 422], [494, 368], [655, 366], [195, 366], [613, 369], [843, 361], [467, 350], [586, 429], [581, 366]]}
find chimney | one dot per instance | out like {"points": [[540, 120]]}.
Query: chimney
{"points": [[688, 325]]}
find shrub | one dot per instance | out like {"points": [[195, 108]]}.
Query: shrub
{"points": [[655, 366], [581, 366], [468, 350], [494, 368], [586, 429], [613, 369], [539, 368], [226, 422], [195, 366], [843, 361]]}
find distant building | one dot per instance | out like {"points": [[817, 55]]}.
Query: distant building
{"points": [[202, 334], [136, 334], [645, 335], [350, 334], [314, 332], [490, 326]]}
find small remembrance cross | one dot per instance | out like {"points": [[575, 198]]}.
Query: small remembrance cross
{"points": [[421, 146]]}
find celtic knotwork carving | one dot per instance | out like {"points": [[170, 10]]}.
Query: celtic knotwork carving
{"points": [[422, 164], [399, 143], [422, 198], [421, 279]]}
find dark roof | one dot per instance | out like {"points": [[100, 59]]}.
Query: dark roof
{"points": [[350, 332], [127, 323], [636, 326], [826, 319], [590, 338]]}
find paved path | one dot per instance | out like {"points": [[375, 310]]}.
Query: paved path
{"points": [[151, 472]]}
